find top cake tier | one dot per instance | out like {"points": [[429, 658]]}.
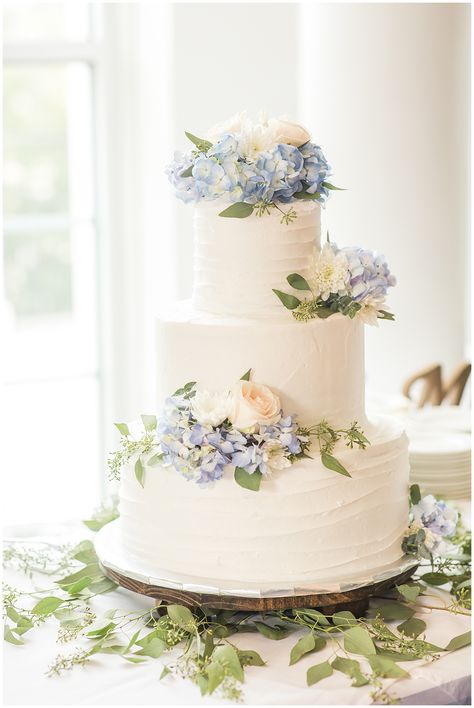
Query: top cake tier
{"points": [[238, 262]]}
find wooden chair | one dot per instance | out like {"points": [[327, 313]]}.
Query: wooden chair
{"points": [[434, 390]]}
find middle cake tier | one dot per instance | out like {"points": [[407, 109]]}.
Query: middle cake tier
{"points": [[316, 368]]}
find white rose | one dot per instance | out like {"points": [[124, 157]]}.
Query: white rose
{"points": [[254, 403], [236, 124], [212, 408], [288, 133]]}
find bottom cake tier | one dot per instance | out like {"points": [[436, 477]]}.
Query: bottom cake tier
{"points": [[305, 524]]}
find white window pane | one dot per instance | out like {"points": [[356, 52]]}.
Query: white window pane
{"points": [[54, 472], [38, 21]]}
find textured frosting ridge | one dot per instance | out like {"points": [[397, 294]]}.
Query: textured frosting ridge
{"points": [[237, 262], [295, 529]]}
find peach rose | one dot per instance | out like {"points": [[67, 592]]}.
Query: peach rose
{"points": [[288, 133], [254, 403]]}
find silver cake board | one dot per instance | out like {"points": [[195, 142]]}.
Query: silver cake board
{"points": [[166, 587]]}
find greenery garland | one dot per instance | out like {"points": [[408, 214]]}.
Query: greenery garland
{"points": [[367, 650]]}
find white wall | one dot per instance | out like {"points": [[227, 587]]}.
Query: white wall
{"points": [[385, 89], [226, 58]]}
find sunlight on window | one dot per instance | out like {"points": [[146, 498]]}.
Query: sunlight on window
{"points": [[50, 255]]}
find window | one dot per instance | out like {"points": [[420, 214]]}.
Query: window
{"points": [[53, 386]]}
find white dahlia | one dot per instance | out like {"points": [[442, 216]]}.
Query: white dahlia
{"points": [[212, 408], [331, 273]]}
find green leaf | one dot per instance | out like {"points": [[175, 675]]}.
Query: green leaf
{"points": [[396, 656], [344, 619], [79, 585], [331, 463], [247, 480], [93, 524], [462, 640], [435, 578], [385, 315], [122, 428], [328, 185], [289, 301], [208, 643], [386, 668], [298, 282], [164, 673], [324, 312], [149, 421], [351, 668], [8, 636], [182, 616], [215, 675], [135, 659], [315, 615], [92, 571], [415, 494], [188, 172], [307, 197], [140, 471], [47, 605], [394, 611], [249, 657], [132, 640], [358, 641], [318, 672], [229, 659], [307, 643], [200, 143], [13, 614], [271, 632], [99, 587], [85, 553], [102, 630], [412, 627], [201, 681], [409, 592], [239, 210], [155, 648], [246, 376], [155, 459]]}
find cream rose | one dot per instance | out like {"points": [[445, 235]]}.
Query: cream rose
{"points": [[254, 403], [288, 133]]}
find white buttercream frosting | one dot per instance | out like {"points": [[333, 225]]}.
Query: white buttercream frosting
{"points": [[316, 368], [239, 261], [305, 524]]}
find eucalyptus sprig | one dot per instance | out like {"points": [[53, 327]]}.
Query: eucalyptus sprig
{"points": [[241, 210], [367, 650], [327, 437]]}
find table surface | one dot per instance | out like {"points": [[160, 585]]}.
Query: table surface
{"points": [[109, 680]]}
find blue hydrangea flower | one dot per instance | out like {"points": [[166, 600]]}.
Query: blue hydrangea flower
{"points": [[370, 276], [436, 516]]}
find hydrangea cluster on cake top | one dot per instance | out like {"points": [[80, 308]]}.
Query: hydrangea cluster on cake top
{"points": [[351, 280], [253, 165], [201, 434]]}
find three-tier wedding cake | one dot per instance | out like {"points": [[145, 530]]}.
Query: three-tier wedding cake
{"points": [[261, 466]]}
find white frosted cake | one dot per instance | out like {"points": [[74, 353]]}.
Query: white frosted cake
{"points": [[181, 511]]}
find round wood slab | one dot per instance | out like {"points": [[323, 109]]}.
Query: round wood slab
{"points": [[356, 601]]}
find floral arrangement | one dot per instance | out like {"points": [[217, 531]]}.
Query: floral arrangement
{"points": [[201, 434], [352, 281], [210, 648], [254, 165], [432, 525]]}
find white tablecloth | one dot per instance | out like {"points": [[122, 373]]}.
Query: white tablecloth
{"points": [[110, 680]]}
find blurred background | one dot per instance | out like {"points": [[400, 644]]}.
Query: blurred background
{"points": [[97, 97]]}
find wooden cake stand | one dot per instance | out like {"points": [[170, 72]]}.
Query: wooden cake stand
{"points": [[355, 601]]}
